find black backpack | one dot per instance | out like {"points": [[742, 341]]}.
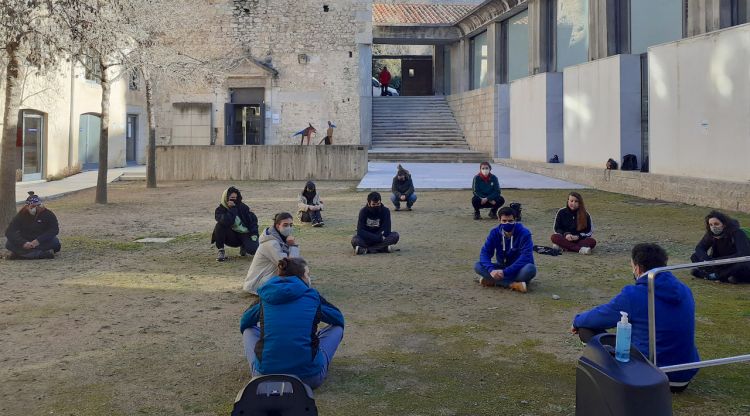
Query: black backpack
{"points": [[629, 162], [611, 164], [275, 394]]}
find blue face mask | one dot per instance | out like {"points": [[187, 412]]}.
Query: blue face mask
{"points": [[508, 228]]}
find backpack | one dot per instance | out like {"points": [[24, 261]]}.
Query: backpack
{"points": [[611, 164], [515, 206], [554, 159], [629, 162]]}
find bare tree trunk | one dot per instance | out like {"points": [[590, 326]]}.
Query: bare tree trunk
{"points": [[151, 160], [101, 180], [10, 132]]}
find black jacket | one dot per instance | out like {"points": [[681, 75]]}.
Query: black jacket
{"points": [[25, 227], [372, 227], [710, 248], [566, 223], [226, 216], [402, 188]]}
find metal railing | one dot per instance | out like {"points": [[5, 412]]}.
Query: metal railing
{"points": [[652, 316]]}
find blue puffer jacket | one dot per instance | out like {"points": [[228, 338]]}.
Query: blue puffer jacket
{"points": [[288, 315], [512, 252], [675, 320]]}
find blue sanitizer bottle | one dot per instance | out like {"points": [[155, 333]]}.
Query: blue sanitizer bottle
{"points": [[622, 339]]}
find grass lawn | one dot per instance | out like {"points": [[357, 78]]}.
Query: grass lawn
{"points": [[120, 328]]}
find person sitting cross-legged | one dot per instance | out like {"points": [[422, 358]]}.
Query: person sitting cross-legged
{"points": [[573, 227], [236, 225], [486, 192], [374, 233], [402, 189], [280, 330], [310, 205], [675, 315], [723, 239], [510, 242], [32, 234]]}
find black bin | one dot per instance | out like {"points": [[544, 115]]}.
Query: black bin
{"points": [[607, 387], [275, 395]]}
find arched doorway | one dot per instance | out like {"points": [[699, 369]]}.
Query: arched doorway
{"points": [[30, 144], [89, 128]]}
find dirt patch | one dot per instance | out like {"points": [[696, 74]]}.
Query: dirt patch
{"points": [[117, 327]]}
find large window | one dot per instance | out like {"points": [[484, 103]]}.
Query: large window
{"points": [[653, 22], [479, 61], [741, 12], [572, 32], [518, 46]]}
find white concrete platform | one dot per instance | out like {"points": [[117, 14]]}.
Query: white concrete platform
{"points": [[78, 182], [157, 240], [437, 176]]}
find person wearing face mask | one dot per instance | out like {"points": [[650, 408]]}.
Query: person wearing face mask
{"points": [[723, 239], [486, 188], [280, 329], [374, 233], [276, 243], [402, 189], [510, 242], [310, 205], [32, 234], [675, 317], [236, 225], [573, 227]]}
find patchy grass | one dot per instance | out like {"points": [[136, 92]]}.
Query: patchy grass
{"points": [[117, 327]]}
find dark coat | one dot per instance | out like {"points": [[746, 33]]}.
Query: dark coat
{"points": [[566, 222], [489, 190], [405, 187], [372, 227], [735, 244], [25, 227], [226, 216]]}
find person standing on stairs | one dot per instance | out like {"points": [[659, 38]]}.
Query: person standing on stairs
{"points": [[385, 78]]}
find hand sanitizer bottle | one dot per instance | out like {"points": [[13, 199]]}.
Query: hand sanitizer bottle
{"points": [[622, 339]]}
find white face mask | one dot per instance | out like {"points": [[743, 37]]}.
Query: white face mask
{"points": [[286, 231], [485, 172], [32, 211]]}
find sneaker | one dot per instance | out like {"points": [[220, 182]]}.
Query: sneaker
{"points": [[477, 216], [408, 208], [585, 250], [222, 256], [487, 282], [317, 224], [397, 209], [359, 250], [493, 215], [733, 280], [556, 247], [519, 287], [712, 277], [699, 273], [392, 249], [243, 253]]}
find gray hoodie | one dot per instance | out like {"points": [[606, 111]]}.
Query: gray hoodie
{"points": [[265, 261]]}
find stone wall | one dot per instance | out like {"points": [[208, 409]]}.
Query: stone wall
{"points": [[315, 53], [188, 163], [734, 196], [476, 112]]}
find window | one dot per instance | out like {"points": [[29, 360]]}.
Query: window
{"points": [[740, 12], [191, 123], [518, 46], [134, 80], [653, 22], [479, 62], [92, 67], [571, 32]]}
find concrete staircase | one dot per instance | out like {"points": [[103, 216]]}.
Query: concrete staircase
{"points": [[418, 129]]}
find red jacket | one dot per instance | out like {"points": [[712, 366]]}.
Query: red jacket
{"points": [[384, 77]]}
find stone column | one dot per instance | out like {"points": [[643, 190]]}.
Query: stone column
{"points": [[438, 70], [493, 42], [540, 45]]}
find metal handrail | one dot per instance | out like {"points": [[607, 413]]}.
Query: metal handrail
{"points": [[652, 312]]}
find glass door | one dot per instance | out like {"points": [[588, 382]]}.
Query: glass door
{"points": [[33, 136]]}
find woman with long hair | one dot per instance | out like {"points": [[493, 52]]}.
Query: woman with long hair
{"points": [[723, 239], [573, 226], [280, 330]]}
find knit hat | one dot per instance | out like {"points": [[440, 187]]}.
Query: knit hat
{"points": [[33, 199]]}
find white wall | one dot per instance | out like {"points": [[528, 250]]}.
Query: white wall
{"points": [[536, 119], [699, 113], [602, 111]]}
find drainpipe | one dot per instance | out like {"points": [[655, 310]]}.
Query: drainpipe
{"points": [[72, 100]]}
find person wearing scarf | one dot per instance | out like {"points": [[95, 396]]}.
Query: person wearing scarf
{"points": [[486, 189], [510, 242], [32, 234], [310, 205]]}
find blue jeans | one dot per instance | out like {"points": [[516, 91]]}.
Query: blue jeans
{"points": [[330, 338], [525, 275], [410, 200]]}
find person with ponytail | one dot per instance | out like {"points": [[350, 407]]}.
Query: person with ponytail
{"points": [[280, 330], [573, 226], [275, 243]]}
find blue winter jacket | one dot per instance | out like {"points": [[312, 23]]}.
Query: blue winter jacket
{"points": [[288, 315], [675, 320], [512, 252]]}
